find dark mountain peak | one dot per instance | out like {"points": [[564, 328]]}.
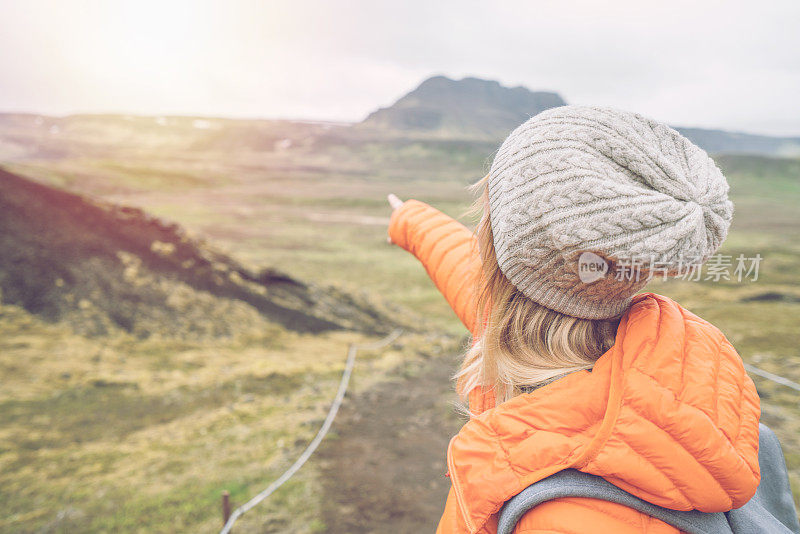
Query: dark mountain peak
{"points": [[442, 81], [438, 80], [467, 108]]}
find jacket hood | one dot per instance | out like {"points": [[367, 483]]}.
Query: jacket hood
{"points": [[667, 414]]}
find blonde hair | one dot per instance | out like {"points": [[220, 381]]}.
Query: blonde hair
{"points": [[520, 342]]}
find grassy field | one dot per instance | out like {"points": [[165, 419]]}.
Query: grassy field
{"points": [[110, 434], [119, 434]]}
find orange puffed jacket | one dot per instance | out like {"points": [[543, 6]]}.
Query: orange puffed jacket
{"points": [[667, 414]]}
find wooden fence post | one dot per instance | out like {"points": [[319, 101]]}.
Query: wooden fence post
{"points": [[226, 506]]}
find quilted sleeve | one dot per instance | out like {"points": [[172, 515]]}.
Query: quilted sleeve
{"points": [[447, 250]]}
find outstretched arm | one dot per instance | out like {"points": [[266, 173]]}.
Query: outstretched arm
{"points": [[447, 250]]}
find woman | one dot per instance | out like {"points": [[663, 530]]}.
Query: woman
{"points": [[570, 367]]}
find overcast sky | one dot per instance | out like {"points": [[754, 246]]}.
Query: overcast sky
{"points": [[730, 64]]}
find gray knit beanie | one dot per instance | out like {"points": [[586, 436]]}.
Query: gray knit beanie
{"points": [[578, 182]]}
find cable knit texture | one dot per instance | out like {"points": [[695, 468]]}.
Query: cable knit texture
{"points": [[577, 179]]}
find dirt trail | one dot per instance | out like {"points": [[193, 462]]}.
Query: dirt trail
{"points": [[385, 470]]}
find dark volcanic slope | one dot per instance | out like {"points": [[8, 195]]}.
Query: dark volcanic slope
{"points": [[63, 255]]}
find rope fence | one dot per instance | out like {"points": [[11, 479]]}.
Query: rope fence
{"points": [[231, 518], [778, 379]]}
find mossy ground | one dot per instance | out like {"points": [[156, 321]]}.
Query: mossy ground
{"points": [[120, 434]]}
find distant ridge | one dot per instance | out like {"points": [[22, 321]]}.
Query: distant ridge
{"points": [[474, 108], [472, 111], [467, 108], [724, 142]]}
